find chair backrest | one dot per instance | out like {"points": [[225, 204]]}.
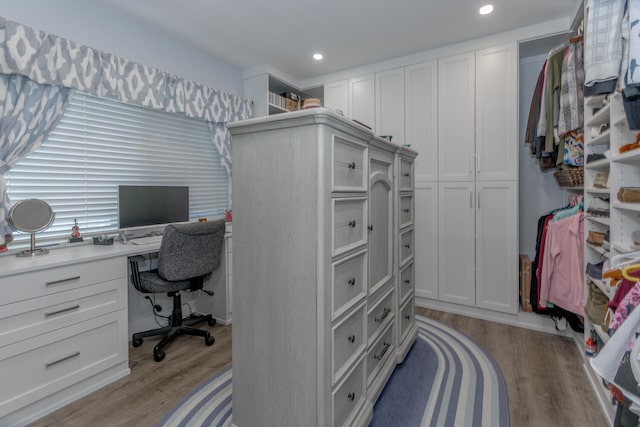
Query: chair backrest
{"points": [[190, 250]]}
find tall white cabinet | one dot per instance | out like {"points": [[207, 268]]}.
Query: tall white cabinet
{"points": [[461, 110], [324, 250]]}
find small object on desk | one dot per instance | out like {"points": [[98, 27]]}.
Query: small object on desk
{"points": [[387, 137], [202, 219], [103, 240], [75, 233]]}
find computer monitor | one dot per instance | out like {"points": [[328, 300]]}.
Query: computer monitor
{"points": [[148, 205]]}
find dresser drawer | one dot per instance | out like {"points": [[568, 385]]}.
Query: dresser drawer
{"points": [[348, 161], [348, 396], [407, 317], [59, 279], [406, 246], [380, 316], [406, 175], [406, 210], [43, 365], [348, 342], [348, 282], [406, 281], [349, 224], [36, 316], [379, 352]]}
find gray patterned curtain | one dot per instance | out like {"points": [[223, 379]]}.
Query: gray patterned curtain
{"points": [[46, 59], [28, 113]]}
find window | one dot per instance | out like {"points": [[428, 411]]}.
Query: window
{"points": [[101, 143]]}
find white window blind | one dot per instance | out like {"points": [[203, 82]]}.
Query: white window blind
{"points": [[101, 143]]}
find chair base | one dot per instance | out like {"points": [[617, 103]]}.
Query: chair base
{"points": [[177, 327]]}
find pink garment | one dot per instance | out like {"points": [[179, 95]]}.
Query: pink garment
{"points": [[543, 283], [563, 268]]}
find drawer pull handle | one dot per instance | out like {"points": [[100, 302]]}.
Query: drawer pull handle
{"points": [[57, 282], [352, 339], [62, 359], [384, 315], [408, 246], [352, 281], [352, 165], [408, 317], [384, 351], [407, 281], [370, 228], [406, 174], [405, 210], [352, 224], [64, 310], [351, 396]]}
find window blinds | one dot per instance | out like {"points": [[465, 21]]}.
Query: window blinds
{"points": [[101, 143]]}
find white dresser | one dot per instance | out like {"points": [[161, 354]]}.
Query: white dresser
{"points": [[320, 317]]}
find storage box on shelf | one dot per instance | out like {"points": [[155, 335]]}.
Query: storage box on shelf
{"points": [[272, 95]]}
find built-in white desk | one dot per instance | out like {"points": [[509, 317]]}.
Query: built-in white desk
{"points": [[65, 322]]}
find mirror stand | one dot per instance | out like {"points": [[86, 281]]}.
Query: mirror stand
{"points": [[33, 251]]}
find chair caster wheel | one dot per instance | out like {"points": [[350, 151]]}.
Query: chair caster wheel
{"points": [[137, 342], [211, 322], [209, 339], [158, 356]]}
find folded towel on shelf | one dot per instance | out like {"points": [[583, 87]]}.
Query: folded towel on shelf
{"points": [[603, 40]]}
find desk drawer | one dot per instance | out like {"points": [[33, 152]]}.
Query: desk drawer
{"points": [[406, 175], [348, 342], [36, 316], [379, 317], [349, 159], [406, 281], [406, 210], [348, 224], [407, 317], [379, 352], [59, 279], [348, 282], [40, 366], [406, 247], [348, 397]]}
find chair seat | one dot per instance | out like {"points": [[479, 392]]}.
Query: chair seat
{"points": [[152, 283]]}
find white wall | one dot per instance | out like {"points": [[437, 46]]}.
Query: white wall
{"points": [[104, 27], [539, 191]]}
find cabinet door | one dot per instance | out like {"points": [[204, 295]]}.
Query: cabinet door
{"points": [[380, 219], [390, 104], [336, 96], [421, 117], [362, 100], [497, 246], [426, 253], [456, 247], [456, 117], [497, 113]]}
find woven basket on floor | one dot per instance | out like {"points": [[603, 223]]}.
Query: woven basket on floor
{"points": [[573, 177]]}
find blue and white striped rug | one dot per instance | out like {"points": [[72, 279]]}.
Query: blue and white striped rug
{"points": [[445, 380]]}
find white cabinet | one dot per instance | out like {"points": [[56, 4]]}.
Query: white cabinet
{"points": [[362, 100], [456, 118], [496, 246], [496, 114], [456, 242], [316, 322], [421, 117], [336, 96], [426, 254], [389, 104]]}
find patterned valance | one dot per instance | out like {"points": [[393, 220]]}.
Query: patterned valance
{"points": [[49, 59]]}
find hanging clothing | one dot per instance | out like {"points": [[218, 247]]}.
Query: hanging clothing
{"points": [[562, 280], [534, 112], [572, 89]]}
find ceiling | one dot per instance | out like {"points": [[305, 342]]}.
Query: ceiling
{"points": [[349, 33]]}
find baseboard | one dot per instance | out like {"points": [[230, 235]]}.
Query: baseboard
{"points": [[531, 321]]}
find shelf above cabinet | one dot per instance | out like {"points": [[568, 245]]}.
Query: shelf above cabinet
{"points": [[595, 190], [601, 117], [632, 156], [602, 139], [600, 220], [602, 164], [635, 207]]}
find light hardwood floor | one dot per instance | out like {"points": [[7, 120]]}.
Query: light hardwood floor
{"points": [[546, 386]]}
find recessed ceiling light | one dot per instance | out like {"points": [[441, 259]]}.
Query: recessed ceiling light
{"points": [[317, 56], [486, 9]]}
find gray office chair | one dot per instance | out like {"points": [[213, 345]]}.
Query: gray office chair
{"points": [[188, 254]]}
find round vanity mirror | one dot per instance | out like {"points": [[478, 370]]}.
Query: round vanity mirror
{"points": [[31, 216]]}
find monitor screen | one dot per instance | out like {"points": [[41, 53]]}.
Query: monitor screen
{"points": [[145, 205]]}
